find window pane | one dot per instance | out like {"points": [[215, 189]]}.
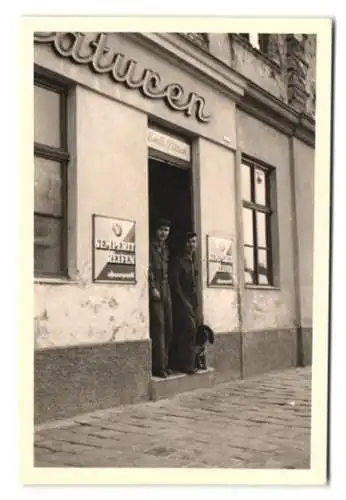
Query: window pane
{"points": [[263, 278], [249, 265], [47, 245], [246, 182], [48, 186], [248, 226], [261, 229], [47, 116], [260, 187]]}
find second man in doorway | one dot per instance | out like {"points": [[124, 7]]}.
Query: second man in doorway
{"points": [[184, 295]]}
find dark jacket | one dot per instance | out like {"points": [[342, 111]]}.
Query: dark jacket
{"points": [[158, 264], [183, 279]]}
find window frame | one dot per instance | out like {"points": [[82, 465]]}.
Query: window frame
{"points": [[201, 40], [59, 154], [262, 50], [269, 212]]}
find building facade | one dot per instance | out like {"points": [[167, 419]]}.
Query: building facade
{"points": [[215, 132]]}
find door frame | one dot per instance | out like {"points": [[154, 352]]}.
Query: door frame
{"points": [[195, 191], [197, 219]]}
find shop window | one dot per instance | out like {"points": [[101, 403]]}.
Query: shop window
{"points": [[257, 223], [50, 179]]}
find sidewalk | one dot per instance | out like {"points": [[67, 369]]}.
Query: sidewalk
{"points": [[260, 422]]}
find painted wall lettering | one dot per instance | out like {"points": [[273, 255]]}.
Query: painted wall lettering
{"points": [[102, 59]]}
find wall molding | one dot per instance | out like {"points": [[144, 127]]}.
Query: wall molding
{"points": [[248, 96], [277, 114], [217, 74], [193, 59]]}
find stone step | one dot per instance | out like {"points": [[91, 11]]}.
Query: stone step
{"points": [[177, 383]]}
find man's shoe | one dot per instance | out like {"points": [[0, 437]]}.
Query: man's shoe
{"points": [[190, 371], [161, 374]]}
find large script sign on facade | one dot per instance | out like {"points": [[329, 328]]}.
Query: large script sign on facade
{"points": [[92, 49], [220, 261], [114, 250]]}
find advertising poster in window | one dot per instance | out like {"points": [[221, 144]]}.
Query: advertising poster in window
{"points": [[219, 261], [114, 250]]}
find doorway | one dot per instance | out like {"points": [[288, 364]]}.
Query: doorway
{"points": [[170, 197]]}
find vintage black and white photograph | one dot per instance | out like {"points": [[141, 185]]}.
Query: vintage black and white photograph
{"points": [[173, 248]]}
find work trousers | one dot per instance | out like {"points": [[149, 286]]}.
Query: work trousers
{"points": [[161, 328]]}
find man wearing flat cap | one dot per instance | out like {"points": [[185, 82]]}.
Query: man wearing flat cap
{"points": [[161, 323]]}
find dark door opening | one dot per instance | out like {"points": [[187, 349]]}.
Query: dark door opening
{"points": [[170, 189]]}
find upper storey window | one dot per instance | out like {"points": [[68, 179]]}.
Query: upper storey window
{"points": [[200, 39], [252, 38]]}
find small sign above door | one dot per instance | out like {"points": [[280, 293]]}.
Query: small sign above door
{"points": [[168, 144]]}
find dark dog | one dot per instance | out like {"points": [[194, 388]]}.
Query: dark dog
{"points": [[204, 336]]}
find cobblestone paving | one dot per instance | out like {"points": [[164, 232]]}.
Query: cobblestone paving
{"points": [[260, 422]]}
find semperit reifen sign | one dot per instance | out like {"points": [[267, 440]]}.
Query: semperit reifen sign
{"points": [[220, 261], [114, 250]]}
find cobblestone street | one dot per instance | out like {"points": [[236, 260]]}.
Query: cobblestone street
{"points": [[261, 422]]}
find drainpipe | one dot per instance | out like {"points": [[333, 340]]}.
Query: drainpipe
{"points": [[296, 273], [240, 255]]}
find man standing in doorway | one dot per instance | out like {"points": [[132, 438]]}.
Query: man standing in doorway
{"points": [[161, 324], [184, 295]]}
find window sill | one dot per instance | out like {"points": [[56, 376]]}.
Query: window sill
{"points": [[54, 281], [262, 287]]}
